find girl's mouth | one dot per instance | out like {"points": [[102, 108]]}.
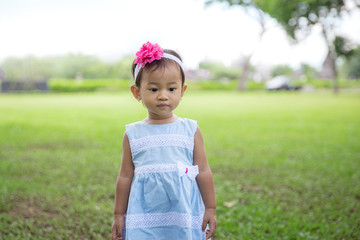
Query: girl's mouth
{"points": [[162, 105]]}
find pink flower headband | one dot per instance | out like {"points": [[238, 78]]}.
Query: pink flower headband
{"points": [[150, 52]]}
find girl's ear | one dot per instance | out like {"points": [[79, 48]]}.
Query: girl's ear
{"points": [[183, 90], [136, 92]]}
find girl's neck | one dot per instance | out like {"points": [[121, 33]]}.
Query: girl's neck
{"points": [[156, 121]]}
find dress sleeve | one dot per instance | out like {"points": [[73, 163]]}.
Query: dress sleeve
{"points": [[129, 130], [192, 127]]}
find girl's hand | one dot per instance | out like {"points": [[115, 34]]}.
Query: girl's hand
{"points": [[209, 218], [117, 227]]}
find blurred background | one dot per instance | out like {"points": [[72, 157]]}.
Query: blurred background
{"points": [[283, 148], [78, 45]]}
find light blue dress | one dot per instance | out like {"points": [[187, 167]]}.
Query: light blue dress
{"points": [[165, 201]]}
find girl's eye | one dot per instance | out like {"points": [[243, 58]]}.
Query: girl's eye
{"points": [[153, 89], [172, 89]]}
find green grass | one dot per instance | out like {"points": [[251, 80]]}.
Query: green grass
{"points": [[286, 165]]}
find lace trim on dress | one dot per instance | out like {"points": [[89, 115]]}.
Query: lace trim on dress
{"points": [[156, 168], [189, 170], [168, 140], [148, 220]]}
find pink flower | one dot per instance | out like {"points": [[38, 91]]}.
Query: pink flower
{"points": [[148, 53]]}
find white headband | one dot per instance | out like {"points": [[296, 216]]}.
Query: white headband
{"points": [[166, 55]]}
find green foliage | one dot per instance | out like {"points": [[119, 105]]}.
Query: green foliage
{"points": [[299, 17], [252, 85], [219, 70], [212, 85], [94, 85], [223, 85], [308, 71], [78, 66], [343, 47], [296, 15], [285, 165], [325, 83], [282, 70], [302, 15], [88, 85], [27, 68], [319, 83], [353, 64], [122, 69], [69, 66]]}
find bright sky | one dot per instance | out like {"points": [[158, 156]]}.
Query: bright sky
{"points": [[114, 28]]}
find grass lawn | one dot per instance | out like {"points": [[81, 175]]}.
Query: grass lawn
{"points": [[286, 165]]}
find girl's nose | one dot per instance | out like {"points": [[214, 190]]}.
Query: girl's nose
{"points": [[162, 96]]}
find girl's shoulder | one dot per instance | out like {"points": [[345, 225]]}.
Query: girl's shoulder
{"points": [[134, 126], [190, 124]]}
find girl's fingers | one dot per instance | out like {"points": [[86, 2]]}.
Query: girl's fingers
{"points": [[208, 234], [117, 234], [203, 226], [213, 227], [211, 231], [114, 232]]}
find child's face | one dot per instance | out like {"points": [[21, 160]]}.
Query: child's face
{"points": [[160, 91]]}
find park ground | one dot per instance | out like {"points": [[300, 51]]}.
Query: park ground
{"points": [[286, 165]]}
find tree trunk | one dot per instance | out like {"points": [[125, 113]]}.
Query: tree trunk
{"points": [[332, 60], [336, 77], [246, 64], [245, 73], [329, 71]]}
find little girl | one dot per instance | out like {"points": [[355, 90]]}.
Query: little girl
{"points": [[165, 188]]}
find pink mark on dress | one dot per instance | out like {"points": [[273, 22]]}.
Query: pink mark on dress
{"points": [[186, 170]]}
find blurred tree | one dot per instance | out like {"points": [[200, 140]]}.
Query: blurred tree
{"points": [[299, 17], [308, 71], [219, 71], [344, 47], [282, 70], [28, 68], [261, 18], [122, 69], [70, 66], [79, 66], [353, 64]]}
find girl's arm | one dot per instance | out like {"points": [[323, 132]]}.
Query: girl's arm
{"points": [[206, 184], [123, 184]]}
